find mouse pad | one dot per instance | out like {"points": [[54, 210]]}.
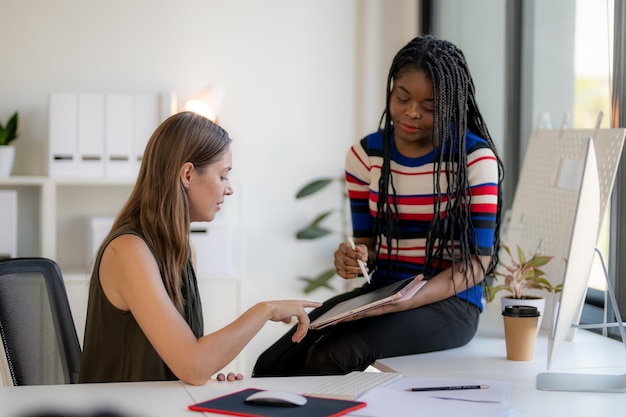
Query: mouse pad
{"points": [[235, 404]]}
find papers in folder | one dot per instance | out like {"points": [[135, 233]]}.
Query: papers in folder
{"points": [[398, 291]]}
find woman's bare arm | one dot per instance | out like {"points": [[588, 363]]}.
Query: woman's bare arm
{"points": [[131, 281]]}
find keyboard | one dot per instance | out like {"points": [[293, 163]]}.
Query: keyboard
{"points": [[353, 385]]}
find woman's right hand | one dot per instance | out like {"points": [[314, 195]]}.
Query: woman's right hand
{"points": [[284, 310], [346, 258]]}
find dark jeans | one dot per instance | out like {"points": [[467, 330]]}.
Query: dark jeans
{"points": [[354, 345]]}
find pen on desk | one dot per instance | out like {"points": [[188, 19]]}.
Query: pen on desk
{"points": [[360, 262], [458, 387]]}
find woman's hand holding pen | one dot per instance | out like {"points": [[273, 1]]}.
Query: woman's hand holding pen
{"points": [[347, 260]]}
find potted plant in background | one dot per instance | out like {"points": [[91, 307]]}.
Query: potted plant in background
{"points": [[8, 133], [522, 274], [315, 229]]}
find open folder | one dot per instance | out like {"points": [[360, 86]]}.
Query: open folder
{"points": [[398, 291]]}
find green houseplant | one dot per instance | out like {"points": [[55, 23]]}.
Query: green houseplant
{"points": [[522, 273], [316, 229], [8, 133]]}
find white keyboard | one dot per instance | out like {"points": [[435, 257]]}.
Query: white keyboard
{"points": [[351, 386]]}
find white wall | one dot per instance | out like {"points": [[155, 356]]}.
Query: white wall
{"points": [[291, 72]]}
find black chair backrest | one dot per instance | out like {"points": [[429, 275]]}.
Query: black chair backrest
{"points": [[36, 324]]}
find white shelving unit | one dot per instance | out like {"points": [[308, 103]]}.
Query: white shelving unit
{"points": [[52, 223], [52, 215]]}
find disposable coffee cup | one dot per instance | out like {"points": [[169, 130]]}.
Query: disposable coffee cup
{"points": [[520, 331]]}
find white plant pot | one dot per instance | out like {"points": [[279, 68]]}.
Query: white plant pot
{"points": [[529, 300], [7, 155]]}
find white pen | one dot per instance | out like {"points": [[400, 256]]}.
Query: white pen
{"points": [[360, 262]]}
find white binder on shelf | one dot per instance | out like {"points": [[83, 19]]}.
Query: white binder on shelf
{"points": [[8, 223], [119, 136], [146, 118], [63, 134], [97, 229], [91, 135], [214, 247], [97, 135]]}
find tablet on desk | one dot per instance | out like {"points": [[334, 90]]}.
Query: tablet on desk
{"points": [[397, 291]]}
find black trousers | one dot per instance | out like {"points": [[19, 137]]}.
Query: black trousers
{"points": [[354, 345]]}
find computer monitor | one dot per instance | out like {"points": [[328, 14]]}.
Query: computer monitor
{"points": [[580, 256], [579, 259], [561, 196], [547, 194], [545, 202]]}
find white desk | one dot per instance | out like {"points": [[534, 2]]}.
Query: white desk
{"points": [[133, 399], [483, 358]]}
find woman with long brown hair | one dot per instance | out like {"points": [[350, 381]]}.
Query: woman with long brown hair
{"points": [[144, 316]]}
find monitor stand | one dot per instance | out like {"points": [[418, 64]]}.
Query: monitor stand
{"points": [[548, 381], [552, 381]]}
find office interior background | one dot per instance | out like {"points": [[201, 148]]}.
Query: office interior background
{"points": [[302, 81]]}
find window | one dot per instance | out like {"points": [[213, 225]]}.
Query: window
{"points": [[593, 50], [556, 57]]}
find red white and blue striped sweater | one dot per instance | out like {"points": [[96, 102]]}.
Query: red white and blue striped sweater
{"points": [[413, 181]]}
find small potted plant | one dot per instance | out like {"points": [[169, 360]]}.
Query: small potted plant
{"points": [[8, 133], [522, 274]]}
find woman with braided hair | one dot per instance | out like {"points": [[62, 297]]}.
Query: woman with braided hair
{"points": [[425, 198]]}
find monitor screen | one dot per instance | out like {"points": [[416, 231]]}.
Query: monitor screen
{"points": [[582, 243], [564, 188], [579, 260]]}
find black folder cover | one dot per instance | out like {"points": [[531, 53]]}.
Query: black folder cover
{"points": [[235, 404]]}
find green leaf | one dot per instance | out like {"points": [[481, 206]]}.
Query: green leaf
{"points": [[496, 289], [507, 250], [320, 217], [312, 232], [9, 134], [313, 187], [320, 281], [521, 256], [539, 260]]}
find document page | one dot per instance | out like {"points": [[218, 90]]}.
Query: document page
{"points": [[491, 402]]}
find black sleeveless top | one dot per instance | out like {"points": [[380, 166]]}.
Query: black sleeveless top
{"points": [[115, 348]]}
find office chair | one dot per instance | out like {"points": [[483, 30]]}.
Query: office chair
{"points": [[37, 330]]}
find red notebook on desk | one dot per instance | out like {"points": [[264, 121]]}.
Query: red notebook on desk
{"points": [[235, 405]]}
